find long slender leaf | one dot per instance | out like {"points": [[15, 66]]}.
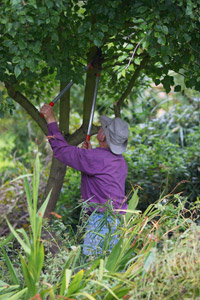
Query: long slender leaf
{"points": [[39, 216], [7, 240], [8, 288], [40, 260], [69, 262], [25, 236], [101, 269], [106, 287], [119, 292], [114, 255], [6, 296], [17, 295], [75, 284], [22, 243], [28, 277], [132, 204], [87, 295], [65, 281], [76, 257], [44, 205], [28, 197], [36, 180], [20, 177], [11, 268]]}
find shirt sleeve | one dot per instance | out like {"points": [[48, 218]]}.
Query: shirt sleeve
{"points": [[80, 159]]}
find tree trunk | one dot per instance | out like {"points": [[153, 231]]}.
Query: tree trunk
{"points": [[58, 169], [54, 184]]}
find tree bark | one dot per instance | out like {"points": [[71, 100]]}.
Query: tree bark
{"points": [[27, 105], [54, 184]]}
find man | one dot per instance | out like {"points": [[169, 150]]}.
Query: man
{"points": [[103, 170]]}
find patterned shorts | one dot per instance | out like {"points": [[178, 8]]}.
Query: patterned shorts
{"points": [[100, 234]]}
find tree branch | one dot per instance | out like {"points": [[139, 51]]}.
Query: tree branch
{"points": [[117, 105], [80, 134], [74, 139], [27, 105]]}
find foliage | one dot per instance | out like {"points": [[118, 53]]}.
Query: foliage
{"points": [[36, 35], [163, 149], [159, 166], [33, 258], [159, 246]]}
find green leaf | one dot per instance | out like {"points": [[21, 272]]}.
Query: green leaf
{"points": [[152, 52], [123, 73], [142, 9], [97, 42], [17, 71], [28, 197], [165, 29], [29, 19], [24, 246], [187, 37], [15, 2], [75, 284], [166, 59], [23, 232], [5, 241], [36, 180], [119, 291], [132, 204], [157, 82], [99, 35], [37, 47], [22, 45], [40, 260], [17, 296], [11, 268], [162, 40], [177, 88], [65, 281], [114, 255], [30, 63], [49, 4], [44, 205], [16, 59], [104, 28], [27, 275]]}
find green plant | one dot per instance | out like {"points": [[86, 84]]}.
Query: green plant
{"points": [[157, 247], [33, 258]]}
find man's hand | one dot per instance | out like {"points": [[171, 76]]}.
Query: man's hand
{"points": [[48, 114], [86, 145]]}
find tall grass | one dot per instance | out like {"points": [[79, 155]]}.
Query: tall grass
{"points": [[156, 257]]}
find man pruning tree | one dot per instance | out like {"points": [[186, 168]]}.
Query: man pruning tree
{"points": [[103, 170]]}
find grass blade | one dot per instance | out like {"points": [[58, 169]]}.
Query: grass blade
{"points": [[11, 269], [22, 243], [132, 204], [75, 284]]}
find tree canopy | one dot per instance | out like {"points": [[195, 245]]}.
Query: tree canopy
{"points": [[46, 43]]}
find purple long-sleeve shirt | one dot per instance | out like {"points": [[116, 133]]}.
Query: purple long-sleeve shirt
{"points": [[103, 173]]}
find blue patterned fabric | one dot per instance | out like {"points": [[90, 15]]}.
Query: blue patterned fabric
{"points": [[99, 234]]}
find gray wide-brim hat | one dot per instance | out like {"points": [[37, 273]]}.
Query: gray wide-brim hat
{"points": [[116, 132]]}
